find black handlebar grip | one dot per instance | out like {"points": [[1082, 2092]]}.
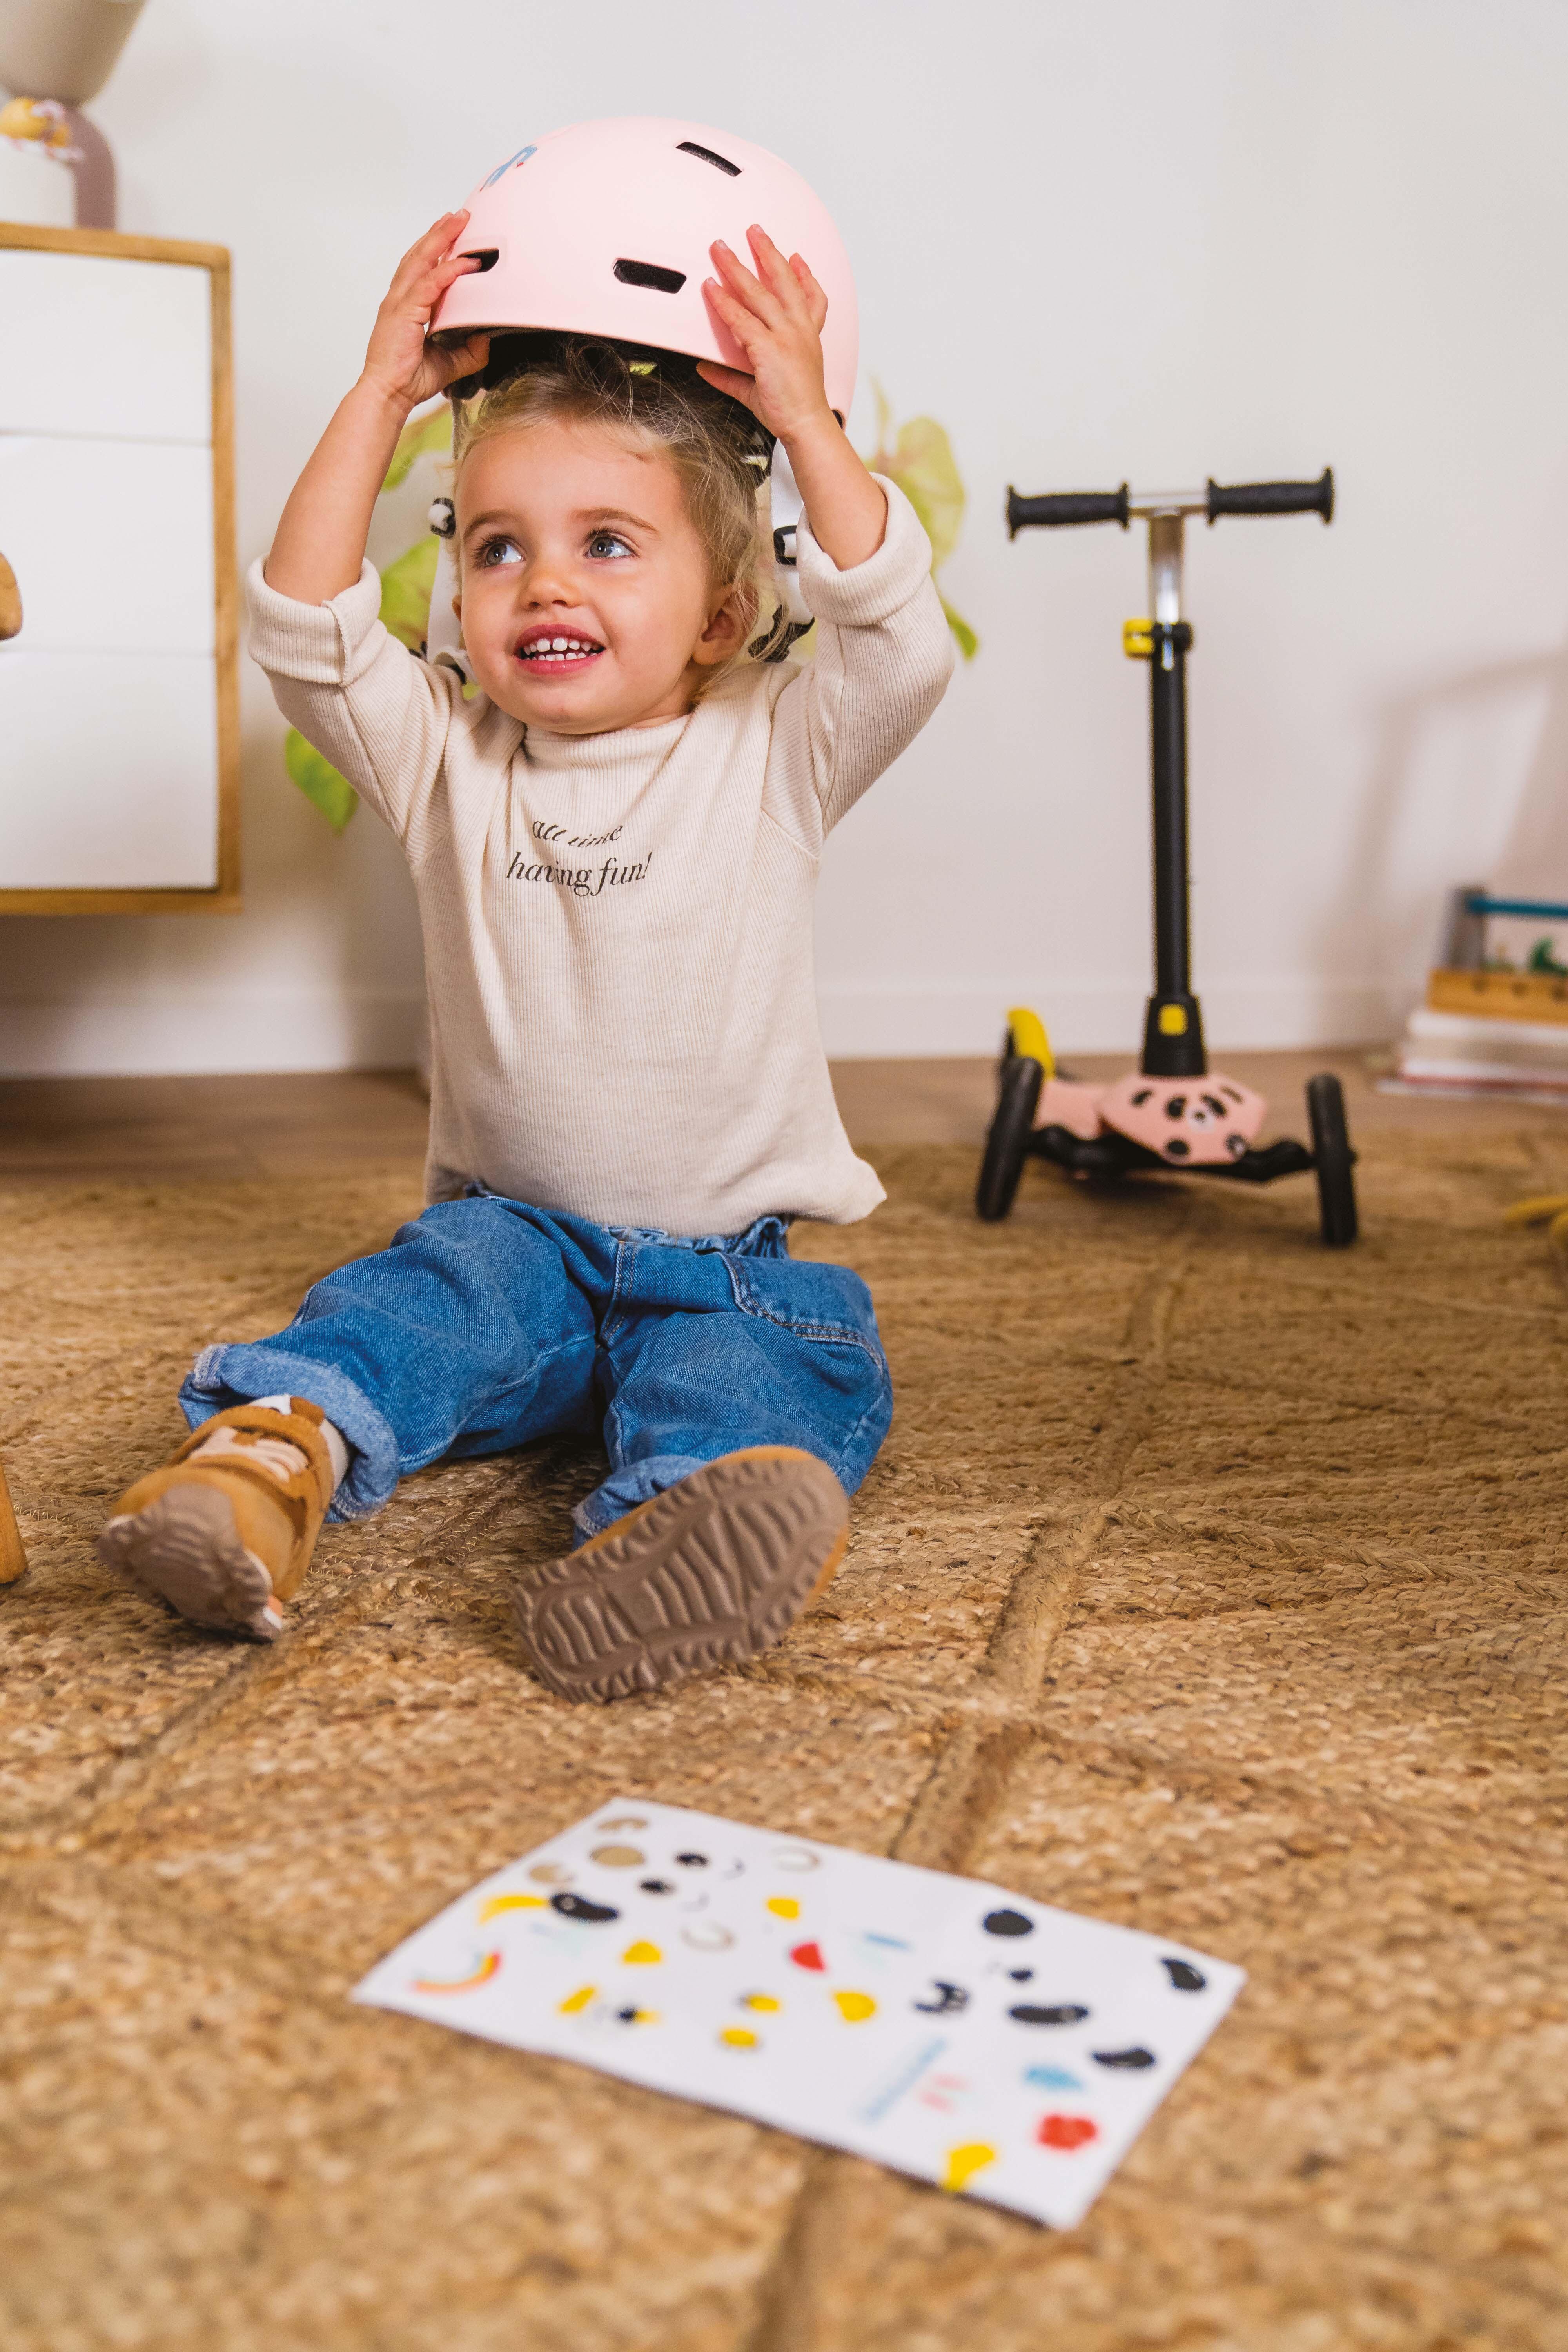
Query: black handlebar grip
{"points": [[1065, 507], [1274, 497]]}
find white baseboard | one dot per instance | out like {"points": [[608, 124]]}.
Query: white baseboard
{"points": [[893, 1022], [192, 1034]]}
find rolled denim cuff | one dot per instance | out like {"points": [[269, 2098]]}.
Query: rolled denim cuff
{"points": [[221, 1377], [624, 1489]]}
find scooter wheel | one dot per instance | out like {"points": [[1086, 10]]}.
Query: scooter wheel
{"points": [[1007, 1145], [1334, 1158]]}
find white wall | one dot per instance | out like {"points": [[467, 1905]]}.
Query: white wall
{"points": [[1237, 237]]}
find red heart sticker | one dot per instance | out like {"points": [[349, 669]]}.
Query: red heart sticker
{"points": [[1067, 2132], [809, 1956]]}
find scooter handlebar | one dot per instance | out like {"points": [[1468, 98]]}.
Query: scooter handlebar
{"points": [[1274, 497], [1067, 506]]}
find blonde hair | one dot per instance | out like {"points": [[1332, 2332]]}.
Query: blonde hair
{"points": [[719, 453]]}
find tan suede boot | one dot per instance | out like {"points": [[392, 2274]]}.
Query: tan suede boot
{"points": [[225, 1530], [707, 1573], [13, 1558]]}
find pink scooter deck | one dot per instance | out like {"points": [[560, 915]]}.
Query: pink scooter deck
{"points": [[1189, 1122]]}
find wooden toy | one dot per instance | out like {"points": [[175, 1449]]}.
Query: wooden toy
{"points": [[1488, 988]]}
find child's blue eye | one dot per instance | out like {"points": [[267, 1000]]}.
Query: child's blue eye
{"points": [[499, 550], [607, 543]]}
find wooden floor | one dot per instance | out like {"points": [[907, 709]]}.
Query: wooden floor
{"points": [[289, 1125]]}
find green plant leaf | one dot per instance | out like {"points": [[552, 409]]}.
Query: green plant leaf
{"points": [[431, 432], [924, 468], [920, 461], [968, 643], [405, 588], [318, 781]]}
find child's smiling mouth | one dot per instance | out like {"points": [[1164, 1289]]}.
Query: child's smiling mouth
{"points": [[558, 650]]}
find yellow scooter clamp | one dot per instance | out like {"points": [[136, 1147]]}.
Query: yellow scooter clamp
{"points": [[1028, 1034]]}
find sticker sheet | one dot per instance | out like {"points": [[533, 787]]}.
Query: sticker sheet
{"points": [[991, 2045]]}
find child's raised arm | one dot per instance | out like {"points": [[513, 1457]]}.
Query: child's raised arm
{"points": [[319, 544], [776, 317], [884, 652]]}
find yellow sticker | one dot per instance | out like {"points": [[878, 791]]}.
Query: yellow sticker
{"points": [[963, 2163], [641, 1954], [737, 2037], [784, 1906], [499, 1902], [578, 1999], [764, 2001], [854, 2008]]}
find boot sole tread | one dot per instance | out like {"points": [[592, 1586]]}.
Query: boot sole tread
{"points": [[712, 1572]]}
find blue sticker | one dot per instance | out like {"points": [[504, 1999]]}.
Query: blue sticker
{"points": [[522, 156], [908, 2074], [1052, 2078]]}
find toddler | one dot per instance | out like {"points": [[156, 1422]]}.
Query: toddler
{"points": [[615, 842]]}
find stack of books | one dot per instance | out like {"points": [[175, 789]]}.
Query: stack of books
{"points": [[1495, 1021]]}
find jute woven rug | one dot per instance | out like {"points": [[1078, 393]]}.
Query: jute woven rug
{"points": [[1208, 1583]]}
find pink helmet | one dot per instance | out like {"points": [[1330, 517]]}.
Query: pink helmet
{"points": [[603, 229]]}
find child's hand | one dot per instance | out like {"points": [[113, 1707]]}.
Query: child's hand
{"points": [[776, 317], [401, 361]]}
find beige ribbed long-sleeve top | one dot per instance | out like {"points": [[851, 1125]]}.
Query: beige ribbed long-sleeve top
{"points": [[618, 927]]}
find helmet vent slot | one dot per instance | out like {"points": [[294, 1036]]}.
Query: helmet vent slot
{"points": [[487, 257], [705, 155], [648, 273]]}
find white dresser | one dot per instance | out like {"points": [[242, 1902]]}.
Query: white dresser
{"points": [[118, 699]]}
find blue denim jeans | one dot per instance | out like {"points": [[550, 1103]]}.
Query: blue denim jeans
{"points": [[489, 1323]]}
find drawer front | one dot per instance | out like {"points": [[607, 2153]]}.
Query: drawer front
{"points": [[100, 345], [108, 770], [112, 543]]}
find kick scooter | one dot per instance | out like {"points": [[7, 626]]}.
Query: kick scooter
{"points": [[1172, 1113]]}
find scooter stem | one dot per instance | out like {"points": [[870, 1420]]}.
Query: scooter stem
{"points": [[1173, 1027]]}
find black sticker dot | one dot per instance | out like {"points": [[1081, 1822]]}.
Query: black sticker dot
{"points": [[1176, 1107], [692, 1861], [1183, 1975], [1008, 1923], [655, 1886], [950, 1999], [1067, 2012], [1020, 1976], [1128, 2058], [577, 1906], [1177, 1149]]}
